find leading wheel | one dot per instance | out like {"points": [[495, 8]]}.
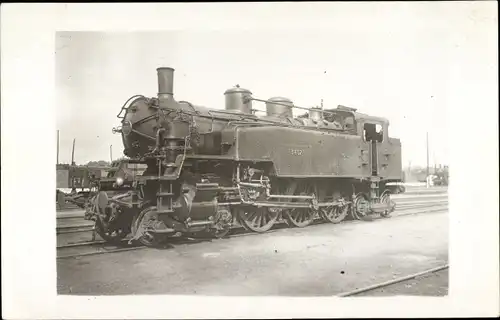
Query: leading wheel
{"points": [[109, 223], [113, 236], [145, 221], [223, 223]]}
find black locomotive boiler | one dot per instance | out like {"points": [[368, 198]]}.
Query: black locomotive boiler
{"points": [[208, 169]]}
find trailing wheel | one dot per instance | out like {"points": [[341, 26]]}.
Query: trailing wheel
{"points": [[361, 207], [256, 219], [385, 198]]}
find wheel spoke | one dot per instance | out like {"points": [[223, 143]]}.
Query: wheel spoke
{"points": [[386, 199], [300, 217], [262, 219], [113, 236], [265, 217], [334, 214], [336, 211], [258, 222], [251, 216], [297, 215], [144, 221], [360, 207]]}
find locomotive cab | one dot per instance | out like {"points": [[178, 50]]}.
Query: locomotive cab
{"points": [[344, 117]]}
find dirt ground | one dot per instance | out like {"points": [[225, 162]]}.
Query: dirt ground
{"points": [[320, 260]]}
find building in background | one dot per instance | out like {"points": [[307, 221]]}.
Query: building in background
{"points": [[417, 174], [69, 177]]}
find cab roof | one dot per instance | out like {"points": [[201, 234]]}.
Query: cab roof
{"points": [[361, 116], [367, 118]]}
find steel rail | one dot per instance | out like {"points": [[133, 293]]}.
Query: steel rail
{"points": [[81, 244], [70, 217], [75, 231], [391, 282], [100, 252]]}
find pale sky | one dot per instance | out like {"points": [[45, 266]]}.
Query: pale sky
{"points": [[397, 66]]}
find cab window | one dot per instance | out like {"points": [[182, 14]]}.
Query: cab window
{"points": [[349, 123], [373, 132], [343, 119]]}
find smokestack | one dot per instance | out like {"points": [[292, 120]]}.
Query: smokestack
{"points": [[165, 83]]}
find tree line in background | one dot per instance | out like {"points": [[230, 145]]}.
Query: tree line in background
{"points": [[100, 163]]}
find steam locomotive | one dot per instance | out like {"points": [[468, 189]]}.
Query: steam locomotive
{"points": [[205, 169]]}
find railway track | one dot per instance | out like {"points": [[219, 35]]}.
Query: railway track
{"points": [[88, 248], [392, 282], [88, 227]]}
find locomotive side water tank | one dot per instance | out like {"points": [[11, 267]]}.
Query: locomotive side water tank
{"points": [[236, 100], [279, 107]]}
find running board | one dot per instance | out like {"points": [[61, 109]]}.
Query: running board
{"points": [[292, 205]]}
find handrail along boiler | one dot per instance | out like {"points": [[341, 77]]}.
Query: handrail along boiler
{"points": [[207, 169]]}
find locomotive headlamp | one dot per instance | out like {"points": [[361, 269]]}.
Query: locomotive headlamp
{"points": [[119, 181], [126, 127]]}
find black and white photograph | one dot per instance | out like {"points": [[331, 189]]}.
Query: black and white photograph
{"points": [[301, 153], [267, 180]]}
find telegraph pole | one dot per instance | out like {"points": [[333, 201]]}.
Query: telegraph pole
{"points": [[435, 163], [57, 146], [72, 170], [409, 170], [73, 153], [111, 152], [427, 177]]}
